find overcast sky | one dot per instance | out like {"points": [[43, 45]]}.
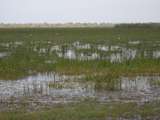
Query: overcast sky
{"points": [[114, 11]]}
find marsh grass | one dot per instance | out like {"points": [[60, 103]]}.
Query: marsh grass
{"points": [[105, 82], [88, 111], [156, 83], [29, 49], [56, 85], [141, 66], [23, 60]]}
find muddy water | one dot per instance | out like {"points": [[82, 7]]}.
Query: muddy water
{"points": [[54, 88]]}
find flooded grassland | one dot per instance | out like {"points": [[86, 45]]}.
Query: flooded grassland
{"points": [[80, 73]]}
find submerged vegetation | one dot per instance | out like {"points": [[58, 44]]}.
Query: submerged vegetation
{"points": [[33, 50], [105, 82]]}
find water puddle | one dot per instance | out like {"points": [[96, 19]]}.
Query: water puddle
{"points": [[103, 48], [54, 88], [78, 45], [134, 42], [11, 44], [3, 54], [156, 54]]}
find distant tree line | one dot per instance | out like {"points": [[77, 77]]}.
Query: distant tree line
{"points": [[59, 25], [148, 25]]}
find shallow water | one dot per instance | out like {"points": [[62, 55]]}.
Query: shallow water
{"points": [[38, 88], [3, 54], [120, 55], [134, 42], [55, 88], [112, 53], [115, 53], [156, 54]]}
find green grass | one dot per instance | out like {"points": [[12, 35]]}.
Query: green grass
{"points": [[87, 111]]}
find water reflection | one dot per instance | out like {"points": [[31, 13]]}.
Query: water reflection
{"points": [[115, 53], [134, 42], [51, 87], [109, 52], [119, 54], [14, 44], [103, 48], [156, 54], [3, 54], [112, 53], [79, 45]]}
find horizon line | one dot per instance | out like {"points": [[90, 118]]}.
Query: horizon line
{"points": [[54, 23]]}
